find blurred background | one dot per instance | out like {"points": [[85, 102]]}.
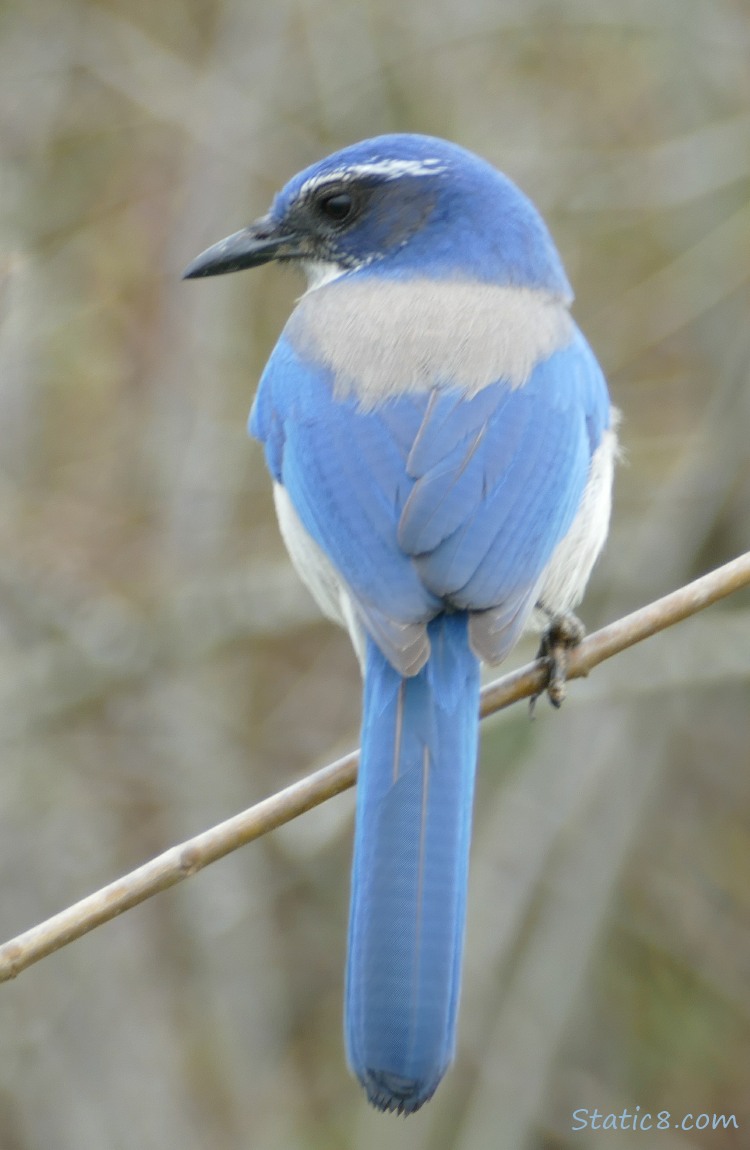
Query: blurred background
{"points": [[161, 668]]}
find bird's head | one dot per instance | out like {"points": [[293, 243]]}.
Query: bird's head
{"points": [[399, 205]]}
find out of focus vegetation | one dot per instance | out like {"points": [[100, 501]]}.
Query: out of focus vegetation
{"points": [[160, 667]]}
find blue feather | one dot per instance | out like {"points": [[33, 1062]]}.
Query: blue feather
{"points": [[406, 927]]}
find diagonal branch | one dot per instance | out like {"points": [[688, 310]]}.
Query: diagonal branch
{"points": [[183, 860]]}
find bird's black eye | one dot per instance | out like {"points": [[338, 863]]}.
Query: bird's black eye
{"points": [[338, 207]]}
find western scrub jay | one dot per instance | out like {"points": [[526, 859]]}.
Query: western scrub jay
{"points": [[442, 446]]}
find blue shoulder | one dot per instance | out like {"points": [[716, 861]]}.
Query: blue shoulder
{"points": [[274, 399]]}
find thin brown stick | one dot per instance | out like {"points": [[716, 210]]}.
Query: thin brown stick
{"points": [[181, 861]]}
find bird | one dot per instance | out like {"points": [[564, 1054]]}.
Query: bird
{"points": [[442, 446]]}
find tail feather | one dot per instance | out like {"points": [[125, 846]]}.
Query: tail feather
{"points": [[414, 802]]}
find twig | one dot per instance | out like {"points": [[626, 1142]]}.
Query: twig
{"points": [[181, 861]]}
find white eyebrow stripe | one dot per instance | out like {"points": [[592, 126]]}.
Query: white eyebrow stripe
{"points": [[389, 169]]}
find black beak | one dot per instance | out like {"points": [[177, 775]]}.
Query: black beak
{"points": [[258, 244]]}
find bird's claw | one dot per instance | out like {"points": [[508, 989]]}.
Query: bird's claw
{"points": [[564, 632]]}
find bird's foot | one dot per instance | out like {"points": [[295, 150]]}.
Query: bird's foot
{"points": [[564, 632]]}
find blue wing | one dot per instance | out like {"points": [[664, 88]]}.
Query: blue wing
{"points": [[435, 499]]}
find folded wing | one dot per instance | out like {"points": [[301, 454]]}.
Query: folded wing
{"points": [[435, 500]]}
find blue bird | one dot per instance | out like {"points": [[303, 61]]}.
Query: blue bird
{"points": [[442, 445]]}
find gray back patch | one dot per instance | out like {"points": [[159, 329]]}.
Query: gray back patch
{"points": [[383, 338]]}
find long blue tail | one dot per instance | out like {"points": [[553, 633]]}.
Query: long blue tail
{"points": [[411, 853]]}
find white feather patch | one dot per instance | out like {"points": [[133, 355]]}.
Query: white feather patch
{"points": [[572, 560], [388, 169], [315, 568], [318, 273], [383, 338]]}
